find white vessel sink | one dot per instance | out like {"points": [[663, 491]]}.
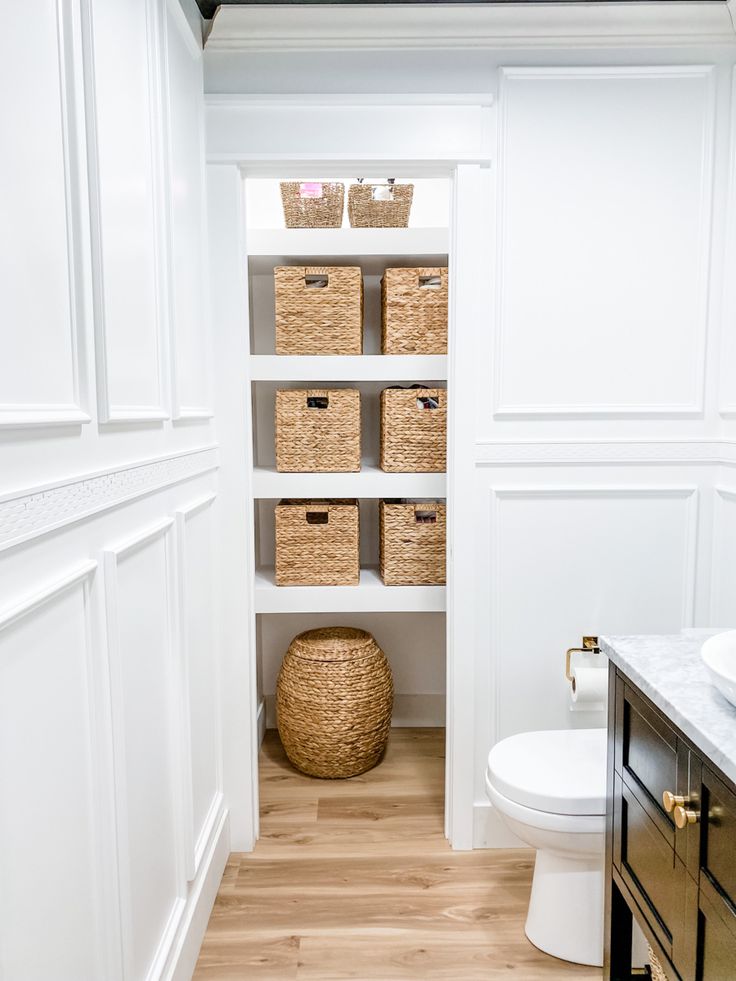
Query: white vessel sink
{"points": [[719, 657]]}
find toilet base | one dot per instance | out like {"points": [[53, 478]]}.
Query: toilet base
{"points": [[565, 915]]}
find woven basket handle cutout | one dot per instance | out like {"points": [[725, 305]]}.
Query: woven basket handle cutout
{"points": [[315, 280], [425, 517], [428, 402], [318, 517], [317, 401], [430, 282]]}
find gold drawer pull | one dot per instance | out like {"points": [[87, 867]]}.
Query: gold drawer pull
{"points": [[670, 801], [684, 816]]}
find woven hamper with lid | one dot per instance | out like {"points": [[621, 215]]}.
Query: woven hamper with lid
{"points": [[319, 309], [414, 311], [413, 438], [413, 538], [334, 697], [318, 430], [366, 211], [312, 204], [317, 543]]}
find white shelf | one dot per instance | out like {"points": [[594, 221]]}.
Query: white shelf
{"points": [[293, 242], [371, 481], [370, 596], [357, 368]]}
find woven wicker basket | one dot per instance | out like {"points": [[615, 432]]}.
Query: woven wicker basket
{"points": [[413, 438], [319, 309], [318, 431], [312, 204], [334, 697], [317, 543], [365, 211], [413, 543], [414, 311], [657, 969]]}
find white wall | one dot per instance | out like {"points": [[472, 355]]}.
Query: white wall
{"points": [[590, 489], [113, 829]]}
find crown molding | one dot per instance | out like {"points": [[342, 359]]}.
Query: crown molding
{"points": [[282, 27]]}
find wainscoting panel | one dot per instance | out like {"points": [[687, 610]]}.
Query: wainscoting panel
{"points": [[197, 583], [604, 190], [724, 562], [40, 273], [56, 864], [141, 607], [189, 315], [577, 560], [125, 141]]}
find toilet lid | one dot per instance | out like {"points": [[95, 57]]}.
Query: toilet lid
{"points": [[562, 772]]}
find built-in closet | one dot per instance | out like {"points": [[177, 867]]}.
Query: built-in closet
{"points": [[407, 621]]}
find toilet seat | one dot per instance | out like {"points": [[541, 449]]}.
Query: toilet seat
{"points": [[559, 773], [585, 824]]}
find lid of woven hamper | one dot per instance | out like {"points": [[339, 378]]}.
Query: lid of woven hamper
{"points": [[332, 644]]}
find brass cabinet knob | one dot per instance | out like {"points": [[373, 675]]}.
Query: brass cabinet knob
{"points": [[670, 801], [684, 816]]}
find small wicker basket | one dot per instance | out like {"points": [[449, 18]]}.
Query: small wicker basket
{"points": [[319, 309], [379, 205], [413, 543], [414, 311], [656, 967], [413, 430], [334, 697], [317, 543], [312, 204], [318, 431]]}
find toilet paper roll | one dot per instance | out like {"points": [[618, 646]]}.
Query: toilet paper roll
{"points": [[589, 687]]}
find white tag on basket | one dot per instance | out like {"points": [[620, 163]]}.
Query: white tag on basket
{"points": [[382, 192], [310, 189]]}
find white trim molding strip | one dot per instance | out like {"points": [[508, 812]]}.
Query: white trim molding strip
{"points": [[44, 509], [296, 28]]}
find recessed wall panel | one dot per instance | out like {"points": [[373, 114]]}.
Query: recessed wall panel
{"points": [[604, 233]]}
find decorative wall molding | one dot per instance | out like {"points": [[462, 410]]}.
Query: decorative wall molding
{"points": [[296, 28], [47, 508], [193, 849], [110, 410], [505, 409], [727, 376], [71, 110], [587, 452]]}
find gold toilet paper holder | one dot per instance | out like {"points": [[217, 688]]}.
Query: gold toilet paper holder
{"points": [[590, 646]]}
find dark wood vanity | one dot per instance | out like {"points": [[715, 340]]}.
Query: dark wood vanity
{"points": [[670, 845]]}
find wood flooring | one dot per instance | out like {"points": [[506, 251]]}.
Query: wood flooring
{"points": [[353, 879]]}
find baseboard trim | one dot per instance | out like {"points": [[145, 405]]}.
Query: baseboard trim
{"points": [[185, 944], [489, 831], [410, 711]]}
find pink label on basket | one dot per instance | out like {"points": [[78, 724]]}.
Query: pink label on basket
{"points": [[310, 190]]}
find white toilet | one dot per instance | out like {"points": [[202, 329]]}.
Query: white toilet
{"points": [[550, 788]]}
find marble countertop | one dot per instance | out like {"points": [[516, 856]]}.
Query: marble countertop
{"points": [[670, 672]]}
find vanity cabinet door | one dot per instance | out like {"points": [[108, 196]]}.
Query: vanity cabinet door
{"points": [[650, 868], [716, 936], [717, 809]]}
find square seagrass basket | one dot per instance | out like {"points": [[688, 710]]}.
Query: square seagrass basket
{"points": [[414, 311], [312, 204], [413, 538], [319, 309], [318, 431], [317, 543], [413, 430], [379, 205]]}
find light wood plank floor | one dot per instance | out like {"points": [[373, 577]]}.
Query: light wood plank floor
{"points": [[353, 879]]}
